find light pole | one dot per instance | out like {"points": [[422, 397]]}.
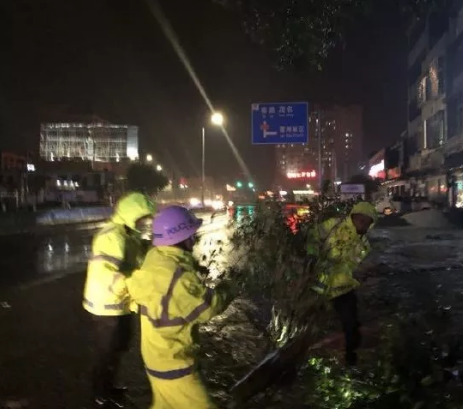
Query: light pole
{"points": [[217, 119], [320, 166]]}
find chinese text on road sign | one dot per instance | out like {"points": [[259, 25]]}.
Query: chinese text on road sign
{"points": [[280, 123]]}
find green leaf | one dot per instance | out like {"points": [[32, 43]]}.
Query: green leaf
{"points": [[427, 381]]}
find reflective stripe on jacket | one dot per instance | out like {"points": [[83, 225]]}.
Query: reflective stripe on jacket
{"points": [[116, 254], [172, 300]]}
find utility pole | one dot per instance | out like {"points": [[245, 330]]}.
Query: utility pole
{"points": [[320, 167], [203, 165]]}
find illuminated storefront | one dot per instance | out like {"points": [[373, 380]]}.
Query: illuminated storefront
{"points": [[378, 171], [302, 175], [377, 166], [453, 165], [458, 189]]}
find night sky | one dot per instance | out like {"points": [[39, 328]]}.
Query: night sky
{"points": [[110, 58]]}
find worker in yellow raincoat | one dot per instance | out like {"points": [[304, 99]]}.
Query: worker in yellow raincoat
{"points": [[339, 245], [172, 301], [117, 250]]}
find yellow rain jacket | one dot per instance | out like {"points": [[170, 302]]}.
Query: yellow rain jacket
{"points": [[117, 251], [339, 250], [172, 301]]}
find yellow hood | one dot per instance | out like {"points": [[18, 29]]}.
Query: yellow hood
{"points": [[367, 209], [131, 208]]}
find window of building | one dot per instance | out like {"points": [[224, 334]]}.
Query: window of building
{"points": [[459, 120], [434, 131], [416, 33], [438, 25], [459, 23], [420, 91], [428, 88], [413, 109], [457, 60], [440, 75]]}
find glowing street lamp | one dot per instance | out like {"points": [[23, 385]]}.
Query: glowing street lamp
{"points": [[217, 119], [159, 168], [149, 158]]}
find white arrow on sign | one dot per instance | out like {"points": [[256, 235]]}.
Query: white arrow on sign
{"points": [[265, 129]]}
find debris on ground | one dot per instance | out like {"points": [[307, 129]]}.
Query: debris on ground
{"points": [[428, 219], [15, 404], [5, 304]]}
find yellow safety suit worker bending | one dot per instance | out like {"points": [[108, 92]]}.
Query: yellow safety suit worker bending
{"points": [[339, 245]]}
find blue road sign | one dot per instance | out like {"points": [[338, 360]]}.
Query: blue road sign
{"points": [[280, 123]]}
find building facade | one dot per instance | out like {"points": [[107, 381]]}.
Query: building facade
{"points": [[88, 141], [434, 142], [12, 161], [336, 132]]}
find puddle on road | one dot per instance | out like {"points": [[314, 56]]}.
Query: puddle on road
{"points": [[28, 258], [59, 256]]}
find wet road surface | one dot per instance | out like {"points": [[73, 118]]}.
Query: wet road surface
{"points": [[45, 335], [29, 260]]}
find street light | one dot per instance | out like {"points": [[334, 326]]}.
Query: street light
{"points": [[149, 158], [250, 185], [159, 168], [217, 119]]}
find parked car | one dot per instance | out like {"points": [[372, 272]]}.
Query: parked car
{"points": [[389, 205]]}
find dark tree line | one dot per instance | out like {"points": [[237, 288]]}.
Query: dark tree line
{"points": [[146, 179], [302, 32]]}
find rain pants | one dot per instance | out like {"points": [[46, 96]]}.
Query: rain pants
{"points": [[172, 301], [117, 251], [339, 250]]}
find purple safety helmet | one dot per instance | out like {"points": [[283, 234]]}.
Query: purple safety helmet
{"points": [[174, 224]]}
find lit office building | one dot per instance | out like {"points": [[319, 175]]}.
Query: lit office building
{"points": [[97, 142]]}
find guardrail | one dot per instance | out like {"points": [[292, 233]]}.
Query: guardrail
{"points": [[30, 222], [78, 215], [21, 222]]}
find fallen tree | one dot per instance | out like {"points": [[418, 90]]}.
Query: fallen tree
{"points": [[411, 367]]}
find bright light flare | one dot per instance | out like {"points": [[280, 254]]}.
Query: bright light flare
{"points": [[159, 168], [218, 205], [194, 201], [174, 41], [217, 119], [149, 158]]}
